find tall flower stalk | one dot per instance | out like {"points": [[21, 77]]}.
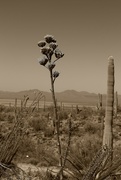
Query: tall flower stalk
{"points": [[48, 48]]}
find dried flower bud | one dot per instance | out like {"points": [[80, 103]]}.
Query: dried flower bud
{"points": [[51, 66], [47, 51], [41, 43], [49, 39], [44, 50], [43, 61], [56, 74], [53, 45], [58, 54]]}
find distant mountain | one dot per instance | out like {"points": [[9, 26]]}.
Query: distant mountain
{"points": [[68, 96], [83, 97]]}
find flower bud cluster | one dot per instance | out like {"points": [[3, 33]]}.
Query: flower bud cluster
{"points": [[48, 52]]}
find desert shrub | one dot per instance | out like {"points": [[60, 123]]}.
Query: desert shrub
{"points": [[49, 131], [86, 112], [6, 117], [101, 112], [84, 149], [3, 116], [10, 118], [38, 123], [26, 150], [92, 128], [46, 155], [2, 108], [62, 115], [6, 109], [36, 114], [9, 109]]}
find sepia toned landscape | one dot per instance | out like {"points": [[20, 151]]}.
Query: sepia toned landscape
{"points": [[60, 93], [42, 138]]}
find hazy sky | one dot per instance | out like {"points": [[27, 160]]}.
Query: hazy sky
{"points": [[87, 31]]}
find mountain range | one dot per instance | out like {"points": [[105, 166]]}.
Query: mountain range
{"points": [[68, 96]]}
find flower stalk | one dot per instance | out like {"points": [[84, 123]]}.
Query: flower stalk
{"points": [[47, 62]]}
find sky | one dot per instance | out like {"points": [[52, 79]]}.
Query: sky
{"points": [[87, 32]]}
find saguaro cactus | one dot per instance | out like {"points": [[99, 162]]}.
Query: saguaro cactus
{"points": [[116, 103], [108, 129]]}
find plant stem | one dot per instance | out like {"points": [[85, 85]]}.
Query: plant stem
{"points": [[56, 120]]}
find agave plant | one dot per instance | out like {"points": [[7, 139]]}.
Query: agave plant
{"points": [[48, 51]]}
